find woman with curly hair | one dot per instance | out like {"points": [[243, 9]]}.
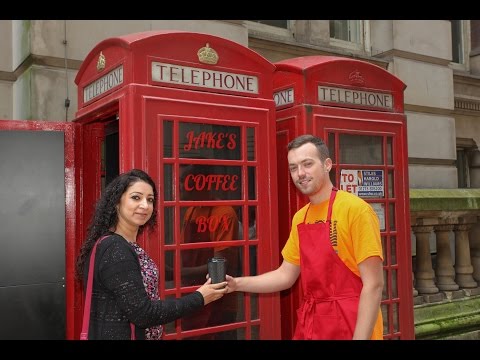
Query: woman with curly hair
{"points": [[125, 279]]}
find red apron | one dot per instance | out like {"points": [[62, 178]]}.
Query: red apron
{"points": [[331, 291]]}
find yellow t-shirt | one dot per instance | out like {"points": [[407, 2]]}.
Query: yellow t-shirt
{"points": [[354, 234]]}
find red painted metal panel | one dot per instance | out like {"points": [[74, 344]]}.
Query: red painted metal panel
{"points": [[71, 209]]}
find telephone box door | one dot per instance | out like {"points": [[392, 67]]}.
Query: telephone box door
{"points": [[206, 158], [369, 164]]}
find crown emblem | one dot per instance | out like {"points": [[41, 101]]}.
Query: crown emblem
{"points": [[356, 78], [207, 55], [101, 62]]}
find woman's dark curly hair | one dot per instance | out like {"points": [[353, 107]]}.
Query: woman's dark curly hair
{"points": [[105, 216]]}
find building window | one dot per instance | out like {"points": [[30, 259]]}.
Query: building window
{"points": [[457, 41], [346, 30], [277, 23], [276, 30], [463, 173], [351, 35], [466, 149]]}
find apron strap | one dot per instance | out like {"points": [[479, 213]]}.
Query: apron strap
{"points": [[330, 203]]}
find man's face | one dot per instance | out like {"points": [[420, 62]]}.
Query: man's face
{"points": [[308, 172]]}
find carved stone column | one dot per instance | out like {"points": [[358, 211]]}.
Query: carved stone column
{"points": [[444, 270], [463, 264], [424, 275]]}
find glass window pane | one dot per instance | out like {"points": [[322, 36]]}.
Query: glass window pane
{"points": [[389, 150], [277, 23], [210, 182], [384, 251], [252, 184], [385, 285], [462, 168], [209, 223], [457, 41], [361, 149], [393, 250], [168, 234], [394, 284], [379, 209], [194, 263], [385, 308], [331, 146], [333, 176], [251, 144], [226, 310], [252, 222], [220, 312], [396, 322], [169, 269], [168, 186], [167, 138], [391, 187], [347, 30], [391, 210], [110, 158], [209, 141], [253, 260]]}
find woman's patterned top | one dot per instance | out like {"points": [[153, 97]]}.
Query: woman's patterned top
{"points": [[150, 281]]}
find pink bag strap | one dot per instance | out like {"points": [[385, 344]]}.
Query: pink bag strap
{"points": [[88, 296]]}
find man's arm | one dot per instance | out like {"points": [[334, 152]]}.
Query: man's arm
{"points": [[371, 272], [277, 280]]}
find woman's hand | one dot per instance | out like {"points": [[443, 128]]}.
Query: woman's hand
{"points": [[212, 292]]}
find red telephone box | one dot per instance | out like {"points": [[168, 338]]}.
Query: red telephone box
{"points": [[357, 108], [197, 113]]}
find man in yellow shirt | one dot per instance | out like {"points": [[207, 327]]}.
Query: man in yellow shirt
{"points": [[335, 243]]}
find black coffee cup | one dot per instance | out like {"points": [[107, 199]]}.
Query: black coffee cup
{"points": [[217, 269]]}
